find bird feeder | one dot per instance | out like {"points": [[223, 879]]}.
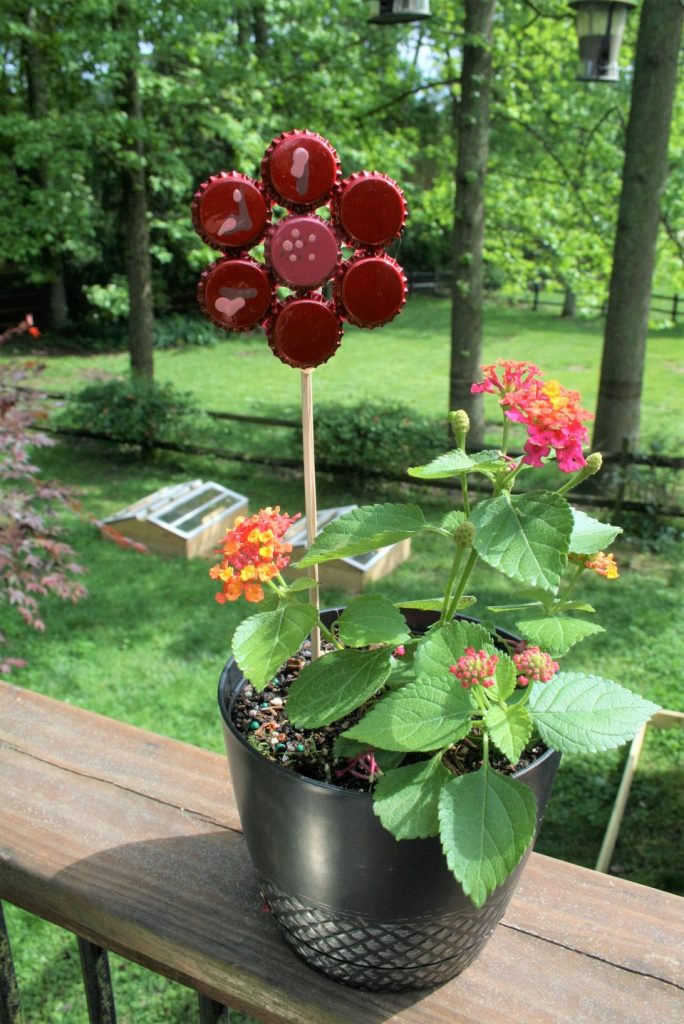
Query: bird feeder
{"points": [[393, 12], [600, 28]]}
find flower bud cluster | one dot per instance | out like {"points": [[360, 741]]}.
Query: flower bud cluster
{"points": [[534, 666], [475, 668]]}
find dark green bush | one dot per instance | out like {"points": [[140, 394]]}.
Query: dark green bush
{"points": [[376, 438], [132, 411], [184, 329]]}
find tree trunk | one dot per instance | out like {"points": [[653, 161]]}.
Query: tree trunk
{"points": [[58, 306], [643, 179], [472, 128], [569, 303], [137, 241], [260, 30], [39, 110]]}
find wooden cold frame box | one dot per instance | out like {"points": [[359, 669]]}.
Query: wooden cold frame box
{"points": [[348, 574], [183, 520]]}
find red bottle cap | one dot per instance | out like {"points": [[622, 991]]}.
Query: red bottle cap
{"points": [[230, 211], [304, 331], [370, 209], [235, 293], [301, 169], [303, 251], [370, 290]]}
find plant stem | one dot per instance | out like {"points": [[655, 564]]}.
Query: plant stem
{"points": [[330, 636], [578, 572], [465, 575], [504, 437], [464, 491], [508, 477], [455, 566]]}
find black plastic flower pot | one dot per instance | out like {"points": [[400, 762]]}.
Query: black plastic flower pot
{"points": [[351, 900]]}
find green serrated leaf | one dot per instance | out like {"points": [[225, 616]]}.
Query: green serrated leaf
{"points": [[443, 646], [334, 685], [505, 676], [577, 606], [421, 716], [589, 535], [454, 462], [487, 821], [510, 729], [558, 633], [579, 714], [498, 609], [302, 583], [263, 642], [427, 604], [452, 520], [372, 619], [525, 536], [364, 529], [406, 799]]}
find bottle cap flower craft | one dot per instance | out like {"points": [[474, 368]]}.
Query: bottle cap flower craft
{"points": [[303, 250]]}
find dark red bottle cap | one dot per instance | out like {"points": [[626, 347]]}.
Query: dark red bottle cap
{"points": [[303, 251], [235, 293], [301, 169], [304, 331], [370, 209], [370, 290], [230, 211]]}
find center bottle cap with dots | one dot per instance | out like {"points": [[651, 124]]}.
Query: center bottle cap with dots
{"points": [[300, 171]]}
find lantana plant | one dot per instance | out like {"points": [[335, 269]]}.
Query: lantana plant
{"points": [[419, 704]]}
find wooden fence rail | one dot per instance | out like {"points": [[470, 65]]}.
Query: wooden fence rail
{"points": [[617, 500], [437, 282]]}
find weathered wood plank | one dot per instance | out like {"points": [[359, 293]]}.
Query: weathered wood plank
{"points": [[639, 928], [115, 752], [112, 832]]}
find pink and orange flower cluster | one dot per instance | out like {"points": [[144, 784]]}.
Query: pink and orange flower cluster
{"points": [[253, 553], [553, 415]]}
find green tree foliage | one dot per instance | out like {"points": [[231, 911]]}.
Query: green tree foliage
{"points": [[217, 81]]}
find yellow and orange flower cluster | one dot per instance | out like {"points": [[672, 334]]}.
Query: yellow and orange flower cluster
{"points": [[599, 562], [253, 553], [603, 565]]}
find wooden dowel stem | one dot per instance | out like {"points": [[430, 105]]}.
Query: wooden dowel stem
{"points": [[310, 490]]}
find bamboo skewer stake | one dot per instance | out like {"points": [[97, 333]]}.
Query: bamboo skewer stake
{"points": [[310, 491]]}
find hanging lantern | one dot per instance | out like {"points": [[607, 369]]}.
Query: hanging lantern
{"points": [[600, 27], [392, 12]]}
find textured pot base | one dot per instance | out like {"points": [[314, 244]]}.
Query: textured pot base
{"points": [[384, 956]]}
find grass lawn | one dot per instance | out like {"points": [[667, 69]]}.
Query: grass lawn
{"points": [[148, 643], [407, 361]]}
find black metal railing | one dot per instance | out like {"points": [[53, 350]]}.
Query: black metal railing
{"points": [[97, 983]]}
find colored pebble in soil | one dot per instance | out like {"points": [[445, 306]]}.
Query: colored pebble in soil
{"points": [[263, 717]]}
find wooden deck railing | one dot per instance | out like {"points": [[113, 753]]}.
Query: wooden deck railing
{"points": [[132, 841]]}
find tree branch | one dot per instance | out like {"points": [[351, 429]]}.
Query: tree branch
{"points": [[408, 92], [672, 233]]}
